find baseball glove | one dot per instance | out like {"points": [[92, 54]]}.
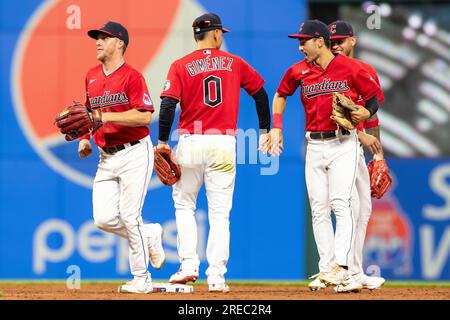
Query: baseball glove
{"points": [[77, 120], [165, 166], [380, 179], [342, 106]]}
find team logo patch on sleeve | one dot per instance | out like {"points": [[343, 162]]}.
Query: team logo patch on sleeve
{"points": [[147, 100], [167, 85]]}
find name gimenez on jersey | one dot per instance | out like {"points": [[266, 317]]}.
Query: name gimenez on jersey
{"points": [[108, 100], [209, 64], [324, 87]]}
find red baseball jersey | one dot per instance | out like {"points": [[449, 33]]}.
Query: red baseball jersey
{"points": [[343, 75], [122, 90], [207, 83], [371, 70]]}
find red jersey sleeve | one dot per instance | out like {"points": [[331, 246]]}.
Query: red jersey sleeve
{"points": [[371, 70], [380, 94], [87, 103], [365, 84], [138, 94], [289, 83], [251, 81], [172, 86], [371, 124]]}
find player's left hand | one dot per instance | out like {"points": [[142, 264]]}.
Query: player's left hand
{"points": [[264, 142], [360, 114]]}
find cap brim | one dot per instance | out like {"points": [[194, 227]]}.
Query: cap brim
{"points": [[300, 36], [225, 30], [339, 37], [94, 33]]}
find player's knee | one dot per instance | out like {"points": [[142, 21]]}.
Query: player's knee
{"points": [[103, 223], [218, 215], [340, 206], [320, 214], [182, 211]]}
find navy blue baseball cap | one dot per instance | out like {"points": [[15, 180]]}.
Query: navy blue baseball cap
{"points": [[312, 29], [207, 22], [113, 29], [340, 29]]}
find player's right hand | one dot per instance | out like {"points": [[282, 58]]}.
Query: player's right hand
{"points": [[370, 142], [264, 142], [162, 146], [276, 141], [84, 148]]}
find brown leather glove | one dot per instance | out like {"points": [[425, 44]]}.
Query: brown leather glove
{"points": [[165, 166], [342, 106], [77, 120]]}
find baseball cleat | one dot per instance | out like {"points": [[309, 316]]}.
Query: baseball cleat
{"points": [[221, 288], [349, 285], [184, 276], [316, 284], [371, 283], [136, 286], [155, 248], [336, 276]]}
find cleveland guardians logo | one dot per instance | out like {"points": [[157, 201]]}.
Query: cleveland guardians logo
{"points": [[333, 29], [325, 87], [42, 87]]}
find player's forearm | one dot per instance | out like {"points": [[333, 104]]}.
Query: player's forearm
{"points": [[130, 118], [374, 131], [278, 104], [263, 109], [166, 117]]}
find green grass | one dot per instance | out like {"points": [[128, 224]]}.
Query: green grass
{"points": [[231, 282]]}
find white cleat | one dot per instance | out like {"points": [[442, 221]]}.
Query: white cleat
{"points": [[155, 248], [184, 276], [220, 288], [349, 286], [136, 286], [371, 283], [335, 276], [316, 284]]}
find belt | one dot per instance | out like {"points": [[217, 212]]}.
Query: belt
{"points": [[113, 150], [322, 135]]}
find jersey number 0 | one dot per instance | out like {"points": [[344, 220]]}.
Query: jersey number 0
{"points": [[212, 91]]}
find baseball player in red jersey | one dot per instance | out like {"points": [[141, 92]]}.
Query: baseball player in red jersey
{"points": [[343, 41], [207, 84], [126, 153], [332, 153]]}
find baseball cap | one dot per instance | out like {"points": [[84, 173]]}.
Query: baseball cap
{"points": [[113, 29], [340, 29], [207, 22], [312, 29]]}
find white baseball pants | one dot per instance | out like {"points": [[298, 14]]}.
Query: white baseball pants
{"points": [[330, 171], [210, 159], [119, 191], [362, 205]]}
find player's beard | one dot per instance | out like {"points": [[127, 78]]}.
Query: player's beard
{"points": [[102, 56]]}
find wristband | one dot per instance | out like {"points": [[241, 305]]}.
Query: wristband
{"points": [[278, 120]]}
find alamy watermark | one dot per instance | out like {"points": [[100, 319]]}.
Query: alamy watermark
{"points": [[247, 143], [73, 281]]}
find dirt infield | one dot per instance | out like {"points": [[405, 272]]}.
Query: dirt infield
{"points": [[238, 292]]}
